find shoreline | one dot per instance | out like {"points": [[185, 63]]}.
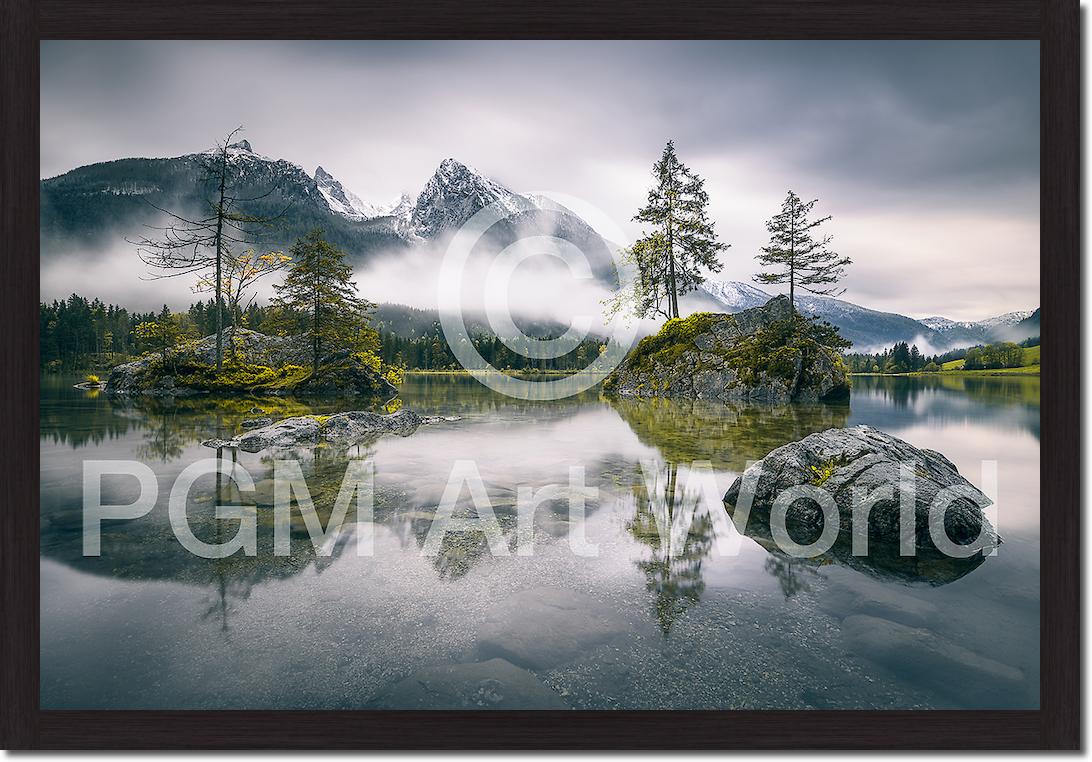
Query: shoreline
{"points": [[1027, 371]]}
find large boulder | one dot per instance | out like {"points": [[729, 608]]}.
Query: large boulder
{"points": [[851, 462], [752, 355], [255, 362], [343, 428]]}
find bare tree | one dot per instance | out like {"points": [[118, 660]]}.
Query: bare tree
{"points": [[193, 245]]}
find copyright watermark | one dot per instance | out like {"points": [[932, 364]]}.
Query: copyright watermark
{"points": [[452, 282], [676, 499]]}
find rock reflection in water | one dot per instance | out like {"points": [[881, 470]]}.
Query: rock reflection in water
{"points": [[726, 434], [882, 561]]}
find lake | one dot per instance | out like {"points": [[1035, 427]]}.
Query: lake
{"points": [[709, 619]]}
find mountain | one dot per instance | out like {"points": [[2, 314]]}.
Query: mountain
{"points": [[867, 329], [1011, 326], [101, 205], [1026, 328], [870, 330], [343, 202], [454, 194], [734, 296]]}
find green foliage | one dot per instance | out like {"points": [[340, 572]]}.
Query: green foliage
{"points": [[993, 356], [78, 333], [671, 257], [237, 376], [821, 474], [318, 295], [676, 337], [782, 347], [902, 358], [394, 375], [795, 256]]}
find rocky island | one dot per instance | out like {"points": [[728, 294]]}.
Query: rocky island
{"points": [[253, 363], [764, 354]]}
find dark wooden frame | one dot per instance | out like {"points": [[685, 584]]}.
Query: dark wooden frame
{"points": [[1054, 22]]}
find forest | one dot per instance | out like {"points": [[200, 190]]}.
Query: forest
{"points": [[904, 358], [81, 334]]}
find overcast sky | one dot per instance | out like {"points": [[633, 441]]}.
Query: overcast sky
{"points": [[925, 153]]}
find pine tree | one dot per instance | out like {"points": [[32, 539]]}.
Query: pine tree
{"points": [[799, 258], [317, 289], [682, 241]]}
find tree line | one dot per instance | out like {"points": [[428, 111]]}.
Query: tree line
{"points": [[900, 358], [82, 334], [904, 358]]}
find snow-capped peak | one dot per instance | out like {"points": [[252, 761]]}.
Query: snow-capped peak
{"points": [[735, 295], [1009, 318], [342, 201], [454, 193], [240, 150], [938, 323], [401, 207]]}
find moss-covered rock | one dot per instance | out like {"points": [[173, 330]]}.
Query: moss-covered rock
{"points": [[764, 354]]}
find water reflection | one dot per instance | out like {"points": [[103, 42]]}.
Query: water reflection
{"points": [[1007, 401], [882, 561], [678, 530], [658, 562], [726, 434]]}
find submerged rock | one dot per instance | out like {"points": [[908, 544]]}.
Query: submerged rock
{"points": [[544, 627], [851, 462], [342, 428], [756, 354], [930, 659], [492, 684]]}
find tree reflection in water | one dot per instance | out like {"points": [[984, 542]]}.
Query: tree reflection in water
{"points": [[792, 574], [680, 534]]}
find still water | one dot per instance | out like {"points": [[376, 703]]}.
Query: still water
{"points": [[653, 621]]}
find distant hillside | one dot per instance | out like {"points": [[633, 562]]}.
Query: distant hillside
{"points": [[102, 204], [412, 322], [871, 330]]}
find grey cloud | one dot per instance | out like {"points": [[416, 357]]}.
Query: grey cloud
{"points": [[907, 131]]}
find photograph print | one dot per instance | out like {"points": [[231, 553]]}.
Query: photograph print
{"points": [[584, 375]]}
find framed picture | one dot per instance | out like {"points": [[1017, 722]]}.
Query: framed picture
{"points": [[597, 378]]}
